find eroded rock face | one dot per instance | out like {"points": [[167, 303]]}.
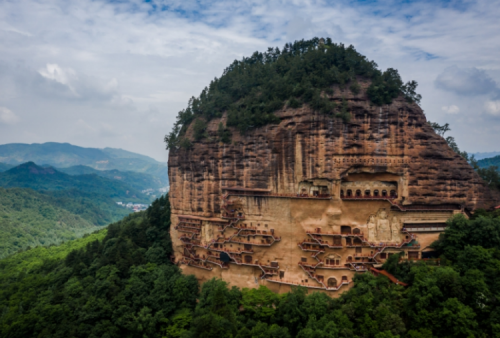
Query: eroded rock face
{"points": [[300, 220], [393, 139]]}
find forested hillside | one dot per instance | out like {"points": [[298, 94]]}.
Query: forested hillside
{"points": [[125, 286], [30, 175], [491, 161], [135, 180], [29, 218]]}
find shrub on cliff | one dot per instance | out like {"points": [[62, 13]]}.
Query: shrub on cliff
{"points": [[303, 72]]}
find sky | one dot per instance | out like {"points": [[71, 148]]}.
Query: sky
{"points": [[115, 73]]}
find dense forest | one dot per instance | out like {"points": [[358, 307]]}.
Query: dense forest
{"points": [[30, 175], [124, 285], [303, 72], [30, 218]]}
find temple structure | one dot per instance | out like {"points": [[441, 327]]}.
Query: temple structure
{"points": [[313, 200]]}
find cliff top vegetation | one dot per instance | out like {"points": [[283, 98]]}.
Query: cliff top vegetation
{"points": [[303, 72]]}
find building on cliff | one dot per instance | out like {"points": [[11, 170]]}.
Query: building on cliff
{"points": [[313, 200]]}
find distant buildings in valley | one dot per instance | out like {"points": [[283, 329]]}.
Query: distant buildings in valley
{"points": [[152, 192], [134, 206], [140, 207]]}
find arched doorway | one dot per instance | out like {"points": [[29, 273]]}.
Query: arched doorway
{"points": [[332, 282], [384, 193], [358, 193], [345, 229], [367, 193], [224, 257], [375, 193], [349, 193], [356, 231]]}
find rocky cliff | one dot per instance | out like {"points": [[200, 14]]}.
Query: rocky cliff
{"points": [[392, 139]]}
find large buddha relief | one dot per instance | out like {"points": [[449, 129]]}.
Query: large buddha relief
{"points": [[381, 229]]}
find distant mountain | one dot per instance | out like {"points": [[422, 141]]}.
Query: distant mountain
{"points": [[5, 166], [64, 155], [135, 180], [480, 156], [30, 175], [486, 162], [120, 153]]}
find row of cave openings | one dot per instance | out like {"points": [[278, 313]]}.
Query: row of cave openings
{"points": [[376, 193]]}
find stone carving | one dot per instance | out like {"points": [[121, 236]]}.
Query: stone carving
{"points": [[372, 229], [396, 230], [380, 229], [383, 227], [207, 233]]}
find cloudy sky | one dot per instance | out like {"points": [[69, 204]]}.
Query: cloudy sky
{"points": [[115, 73]]}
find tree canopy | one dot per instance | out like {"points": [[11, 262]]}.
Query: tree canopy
{"points": [[121, 283], [304, 72]]}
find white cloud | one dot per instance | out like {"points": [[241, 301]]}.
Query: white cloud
{"points": [[56, 73], [492, 107], [60, 75], [108, 62], [450, 109], [7, 116], [466, 81]]}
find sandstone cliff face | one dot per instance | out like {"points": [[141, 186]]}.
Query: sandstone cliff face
{"points": [[279, 206], [394, 140]]}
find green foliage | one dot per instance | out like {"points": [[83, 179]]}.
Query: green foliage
{"points": [[224, 133], [32, 259], [178, 324], [490, 175], [123, 285], [185, 143], [355, 87], [409, 91], [30, 219], [440, 129], [385, 87], [120, 285], [29, 175], [303, 72], [259, 303], [199, 128], [135, 180]]}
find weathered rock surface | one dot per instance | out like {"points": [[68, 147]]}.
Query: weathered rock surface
{"points": [[306, 145], [300, 221]]}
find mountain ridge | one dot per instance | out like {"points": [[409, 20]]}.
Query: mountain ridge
{"points": [[30, 175], [66, 155]]}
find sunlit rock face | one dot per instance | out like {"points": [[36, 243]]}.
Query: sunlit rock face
{"points": [[313, 200]]}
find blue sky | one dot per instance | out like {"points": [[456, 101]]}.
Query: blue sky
{"points": [[115, 73]]}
